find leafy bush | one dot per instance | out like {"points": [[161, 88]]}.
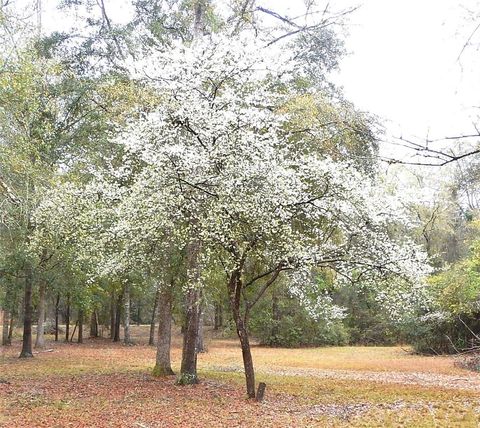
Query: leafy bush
{"points": [[292, 326], [437, 333]]}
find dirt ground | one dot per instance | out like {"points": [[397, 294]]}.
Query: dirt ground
{"points": [[101, 384]]}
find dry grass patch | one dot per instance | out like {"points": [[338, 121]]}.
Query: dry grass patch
{"points": [[103, 384]]}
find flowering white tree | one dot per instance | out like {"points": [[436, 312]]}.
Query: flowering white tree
{"points": [[227, 173], [222, 169]]}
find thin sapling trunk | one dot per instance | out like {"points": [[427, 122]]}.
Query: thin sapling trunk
{"points": [[40, 339]]}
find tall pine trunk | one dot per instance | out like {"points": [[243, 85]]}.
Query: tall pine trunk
{"points": [[57, 309], [80, 326], [218, 316], [67, 320], [5, 325], [151, 339], [94, 324], [40, 339], [28, 314], [112, 315], [163, 365], [7, 315], [10, 331], [118, 317]]}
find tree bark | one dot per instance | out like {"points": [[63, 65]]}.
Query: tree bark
{"points": [[234, 289], [80, 326], [188, 370], [112, 315], [199, 21], [40, 339], [94, 324], [218, 316], [118, 316], [261, 391], [74, 330], [200, 341], [28, 314], [10, 331], [126, 325], [67, 320], [7, 315], [242, 333], [154, 317], [6, 320], [163, 365], [57, 304]]}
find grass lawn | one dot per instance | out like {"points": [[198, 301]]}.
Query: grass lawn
{"points": [[101, 384]]}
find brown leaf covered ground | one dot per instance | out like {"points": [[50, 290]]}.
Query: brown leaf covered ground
{"points": [[101, 384]]}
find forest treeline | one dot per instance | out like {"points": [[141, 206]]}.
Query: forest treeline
{"points": [[196, 165]]}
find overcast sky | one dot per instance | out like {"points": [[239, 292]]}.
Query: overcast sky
{"points": [[403, 61], [404, 65]]}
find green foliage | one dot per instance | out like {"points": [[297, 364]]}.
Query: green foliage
{"points": [[366, 321], [282, 321], [439, 335], [290, 325], [300, 330], [453, 322]]}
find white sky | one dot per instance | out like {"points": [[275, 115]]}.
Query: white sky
{"points": [[402, 64], [404, 67]]}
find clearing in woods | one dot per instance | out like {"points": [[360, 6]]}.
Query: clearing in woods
{"points": [[101, 384]]}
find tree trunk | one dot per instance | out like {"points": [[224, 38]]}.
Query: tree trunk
{"points": [[218, 316], [10, 332], [154, 316], [112, 315], [80, 326], [94, 324], [199, 20], [118, 316], [163, 366], [67, 320], [188, 371], [74, 330], [234, 289], [40, 340], [276, 317], [6, 320], [57, 304], [126, 325], [7, 317], [200, 341], [242, 333], [28, 314]]}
